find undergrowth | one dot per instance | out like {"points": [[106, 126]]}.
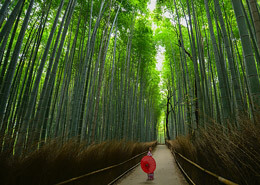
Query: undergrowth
{"points": [[234, 155], [53, 163]]}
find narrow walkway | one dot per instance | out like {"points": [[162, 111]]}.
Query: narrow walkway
{"points": [[166, 173]]}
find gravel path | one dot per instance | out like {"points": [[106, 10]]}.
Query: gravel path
{"points": [[166, 173]]}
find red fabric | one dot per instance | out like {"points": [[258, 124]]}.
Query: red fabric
{"points": [[148, 164]]}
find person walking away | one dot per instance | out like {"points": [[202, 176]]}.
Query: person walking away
{"points": [[150, 175]]}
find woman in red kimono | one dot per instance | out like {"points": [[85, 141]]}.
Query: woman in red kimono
{"points": [[150, 175]]}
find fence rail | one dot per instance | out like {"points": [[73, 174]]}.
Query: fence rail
{"points": [[219, 178], [101, 170]]}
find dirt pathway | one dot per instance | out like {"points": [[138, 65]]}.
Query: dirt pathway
{"points": [[166, 173]]}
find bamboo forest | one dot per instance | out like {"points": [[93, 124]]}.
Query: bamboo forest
{"points": [[88, 87]]}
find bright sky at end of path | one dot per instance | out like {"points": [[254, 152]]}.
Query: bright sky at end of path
{"points": [[160, 51], [160, 58], [151, 5]]}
